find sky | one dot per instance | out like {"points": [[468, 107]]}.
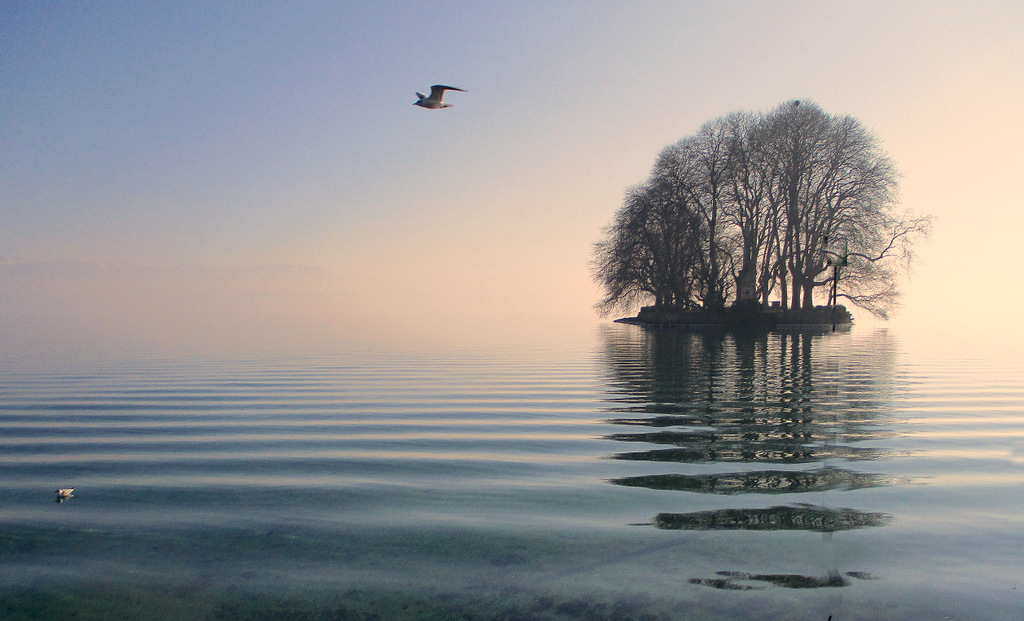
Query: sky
{"points": [[191, 177]]}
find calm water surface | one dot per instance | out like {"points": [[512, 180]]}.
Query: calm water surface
{"points": [[654, 475]]}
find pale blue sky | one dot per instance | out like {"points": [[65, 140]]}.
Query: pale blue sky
{"points": [[228, 136]]}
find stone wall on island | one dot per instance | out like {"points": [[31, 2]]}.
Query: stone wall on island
{"points": [[743, 317]]}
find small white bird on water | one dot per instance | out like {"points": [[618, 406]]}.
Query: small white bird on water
{"points": [[64, 493], [436, 96]]}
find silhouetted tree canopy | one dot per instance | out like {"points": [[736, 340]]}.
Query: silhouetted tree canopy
{"points": [[762, 207]]}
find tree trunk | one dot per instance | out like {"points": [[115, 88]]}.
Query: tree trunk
{"points": [[784, 288], [808, 295], [745, 283]]}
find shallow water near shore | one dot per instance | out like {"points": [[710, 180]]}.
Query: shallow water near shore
{"points": [[648, 475]]}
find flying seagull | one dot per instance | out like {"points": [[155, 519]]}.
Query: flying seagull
{"points": [[436, 95]]}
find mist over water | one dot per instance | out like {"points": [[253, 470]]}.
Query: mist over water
{"points": [[668, 474]]}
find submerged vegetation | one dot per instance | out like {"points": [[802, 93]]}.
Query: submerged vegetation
{"points": [[783, 207]]}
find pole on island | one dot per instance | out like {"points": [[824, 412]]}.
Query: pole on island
{"points": [[838, 261], [835, 283]]}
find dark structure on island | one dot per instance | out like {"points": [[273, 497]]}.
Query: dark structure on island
{"points": [[744, 317]]}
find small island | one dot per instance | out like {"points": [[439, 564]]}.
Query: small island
{"points": [[753, 317], [756, 220]]}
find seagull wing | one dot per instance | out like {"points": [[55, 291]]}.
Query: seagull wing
{"points": [[437, 91]]}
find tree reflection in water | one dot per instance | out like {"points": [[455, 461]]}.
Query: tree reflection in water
{"points": [[761, 481], [800, 517], [767, 407], [735, 580]]}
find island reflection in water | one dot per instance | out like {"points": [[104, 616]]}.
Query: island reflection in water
{"points": [[754, 415]]}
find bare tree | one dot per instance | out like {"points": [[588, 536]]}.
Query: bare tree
{"points": [[796, 145], [748, 211], [650, 252], [835, 182], [882, 251], [697, 169]]}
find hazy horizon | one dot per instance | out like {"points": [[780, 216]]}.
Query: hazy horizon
{"points": [[187, 179]]}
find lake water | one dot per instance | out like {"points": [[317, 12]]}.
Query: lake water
{"points": [[649, 475]]}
